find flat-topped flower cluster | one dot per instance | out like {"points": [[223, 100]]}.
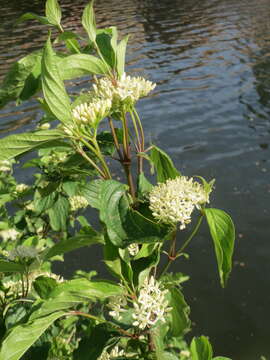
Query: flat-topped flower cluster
{"points": [[173, 202], [149, 307], [110, 96]]}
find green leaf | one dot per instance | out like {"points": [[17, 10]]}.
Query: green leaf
{"points": [[104, 44], [73, 292], [45, 202], [53, 87], [223, 234], [221, 358], [77, 65], [88, 21], [163, 165], [102, 335], [14, 145], [201, 348], [121, 55], [70, 39], [158, 333], [112, 258], [179, 320], [32, 16], [22, 80], [72, 243], [92, 193], [58, 214], [6, 266], [125, 225], [44, 285], [21, 337], [53, 12], [144, 186]]}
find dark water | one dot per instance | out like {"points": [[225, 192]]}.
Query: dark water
{"points": [[210, 111]]}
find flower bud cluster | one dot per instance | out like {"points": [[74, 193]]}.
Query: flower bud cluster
{"points": [[20, 188], [174, 201], [133, 249], [151, 305], [77, 202], [93, 112], [113, 354], [5, 166], [148, 308], [126, 90], [9, 234]]}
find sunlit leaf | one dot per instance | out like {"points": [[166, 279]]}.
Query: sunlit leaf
{"points": [[14, 145], [201, 348], [22, 80], [223, 234], [77, 65], [20, 338], [31, 16], [163, 165], [89, 22], [121, 55], [58, 213], [53, 87], [74, 242], [53, 12]]}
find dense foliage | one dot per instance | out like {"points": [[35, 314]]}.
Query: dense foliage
{"points": [[144, 227]]}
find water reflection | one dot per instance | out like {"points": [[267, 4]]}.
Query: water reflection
{"points": [[210, 111]]}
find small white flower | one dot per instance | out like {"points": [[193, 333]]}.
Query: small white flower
{"points": [[9, 234], [133, 249], [77, 202], [114, 353], [117, 305], [174, 201], [151, 305], [20, 188]]}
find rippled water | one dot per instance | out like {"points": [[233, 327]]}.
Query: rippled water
{"points": [[210, 111]]}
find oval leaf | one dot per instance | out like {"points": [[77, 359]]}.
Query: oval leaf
{"points": [[223, 234], [77, 65], [163, 165], [53, 12], [180, 322], [53, 87], [121, 55], [88, 21], [14, 145], [23, 336]]}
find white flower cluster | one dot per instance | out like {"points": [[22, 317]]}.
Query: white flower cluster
{"points": [[5, 166], [173, 201], [114, 353], [133, 249], [93, 112], [151, 305], [20, 188], [125, 90], [77, 202], [117, 305], [9, 234]]}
